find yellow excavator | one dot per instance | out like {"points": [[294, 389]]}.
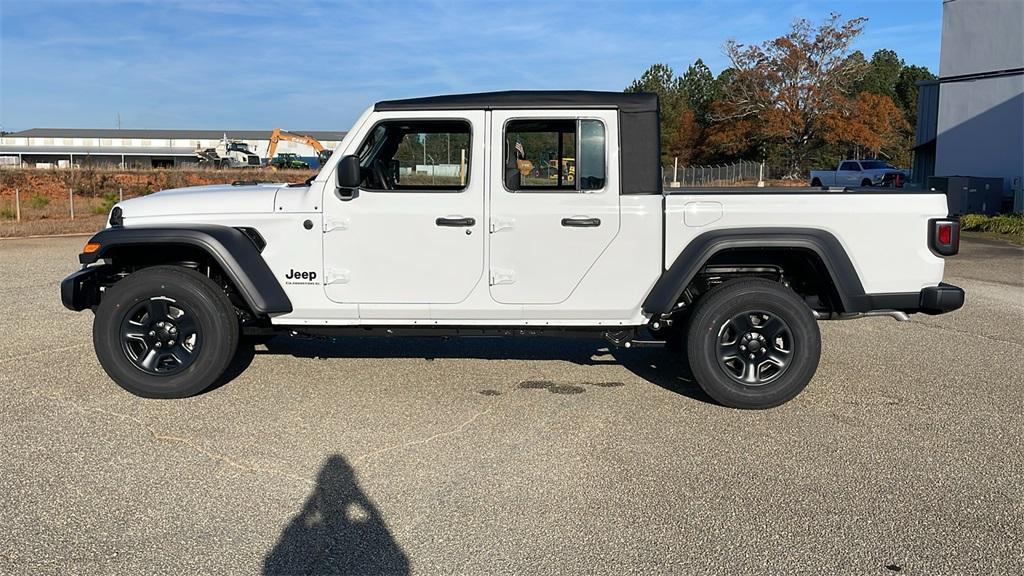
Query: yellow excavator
{"points": [[278, 134]]}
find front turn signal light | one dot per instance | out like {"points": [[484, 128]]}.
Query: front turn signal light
{"points": [[91, 247]]}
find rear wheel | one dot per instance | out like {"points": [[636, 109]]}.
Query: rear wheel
{"points": [[165, 332], [816, 183], [753, 344]]}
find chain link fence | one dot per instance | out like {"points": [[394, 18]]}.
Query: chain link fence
{"points": [[742, 173]]}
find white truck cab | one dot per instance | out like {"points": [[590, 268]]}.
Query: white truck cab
{"points": [[507, 214], [863, 173]]}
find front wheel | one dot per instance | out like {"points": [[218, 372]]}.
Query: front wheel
{"points": [[165, 332], [753, 344]]}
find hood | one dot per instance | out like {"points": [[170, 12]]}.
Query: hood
{"points": [[219, 199]]}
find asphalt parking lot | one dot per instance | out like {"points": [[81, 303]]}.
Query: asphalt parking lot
{"points": [[368, 456]]}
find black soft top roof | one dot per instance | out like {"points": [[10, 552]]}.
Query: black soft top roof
{"points": [[519, 99]]}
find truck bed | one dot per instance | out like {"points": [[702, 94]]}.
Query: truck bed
{"points": [[883, 231]]}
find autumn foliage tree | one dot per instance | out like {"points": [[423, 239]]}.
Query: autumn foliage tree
{"points": [[866, 126], [799, 101], [786, 88]]}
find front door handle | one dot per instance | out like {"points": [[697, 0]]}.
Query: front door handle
{"points": [[581, 222], [458, 221]]}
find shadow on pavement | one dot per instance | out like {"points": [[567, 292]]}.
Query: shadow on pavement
{"points": [[243, 357], [338, 531], [658, 366]]}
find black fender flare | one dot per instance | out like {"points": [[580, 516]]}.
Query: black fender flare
{"points": [[666, 291], [230, 248]]}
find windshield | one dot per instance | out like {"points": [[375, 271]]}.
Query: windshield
{"points": [[238, 146], [875, 164]]}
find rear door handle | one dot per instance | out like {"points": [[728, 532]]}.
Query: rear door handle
{"points": [[581, 222], [455, 221]]}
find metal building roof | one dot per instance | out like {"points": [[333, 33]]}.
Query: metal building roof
{"points": [[97, 150], [168, 134]]}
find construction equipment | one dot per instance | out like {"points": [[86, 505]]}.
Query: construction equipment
{"points": [[278, 134], [228, 154], [286, 160], [568, 170]]}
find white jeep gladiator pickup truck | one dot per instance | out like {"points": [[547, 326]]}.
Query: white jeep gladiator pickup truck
{"points": [[507, 214], [860, 173]]}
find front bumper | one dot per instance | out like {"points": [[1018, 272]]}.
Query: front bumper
{"points": [[81, 289]]}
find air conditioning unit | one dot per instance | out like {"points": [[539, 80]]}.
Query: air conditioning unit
{"points": [[970, 194]]}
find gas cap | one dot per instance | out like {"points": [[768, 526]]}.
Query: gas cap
{"points": [[697, 214]]}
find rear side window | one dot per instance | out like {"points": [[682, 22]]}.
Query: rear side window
{"points": [[416, 155], [555, 155], [852, 166], [875, 165]]}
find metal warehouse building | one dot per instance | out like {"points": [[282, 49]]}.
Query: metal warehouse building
{"points": [[137, 148], [970, 122]]}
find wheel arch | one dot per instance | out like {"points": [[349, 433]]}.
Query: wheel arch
{"points": [[702, 250], [235, 253]]}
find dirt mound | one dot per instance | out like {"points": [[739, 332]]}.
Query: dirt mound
{"points": [[96, 182]]}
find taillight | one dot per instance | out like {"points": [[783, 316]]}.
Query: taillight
{"points": [[944, 236]]}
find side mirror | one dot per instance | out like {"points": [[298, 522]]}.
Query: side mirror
{"points": [[349, 175]]}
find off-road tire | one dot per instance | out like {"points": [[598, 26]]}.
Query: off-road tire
{"points": [[127, 318], [723, 333]]}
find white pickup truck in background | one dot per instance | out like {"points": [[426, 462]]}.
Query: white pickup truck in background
{"points": [[859, 173], [507, 214]]}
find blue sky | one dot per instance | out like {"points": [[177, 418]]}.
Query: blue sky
{"points": [[317, 65]]}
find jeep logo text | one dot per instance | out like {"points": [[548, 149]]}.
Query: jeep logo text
{"points": [[296, 275]]}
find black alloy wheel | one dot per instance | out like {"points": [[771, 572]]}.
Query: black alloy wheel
{"points": [[160, 336], [165, 332], [752, 343], [755, 347]]}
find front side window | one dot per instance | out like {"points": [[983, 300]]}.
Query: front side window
{"points": [[416, 155], [555, 155]]}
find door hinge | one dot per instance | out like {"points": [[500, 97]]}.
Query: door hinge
{"points": [[502, 276], [337, 276], [331, 224], [501, 224]]}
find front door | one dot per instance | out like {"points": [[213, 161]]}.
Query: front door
{"points": [[848, 174], [554, 201], [413, 232]]}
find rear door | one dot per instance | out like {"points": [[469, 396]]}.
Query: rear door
{"points": [[554, 201], [413, 233]]}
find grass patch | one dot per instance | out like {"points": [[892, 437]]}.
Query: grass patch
{"points": [[1010, 225], [87, 224], [7, 212], [105, 204], [38, 201]]}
